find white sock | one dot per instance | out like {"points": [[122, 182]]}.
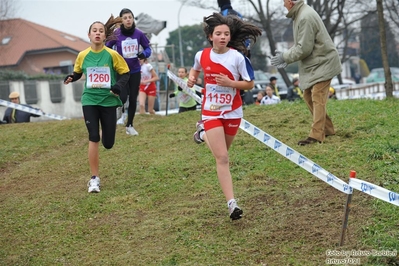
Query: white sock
{"points": [[230, 201], [201, 134]]}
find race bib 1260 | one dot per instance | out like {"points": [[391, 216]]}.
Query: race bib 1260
{"points": [[98, 77]]}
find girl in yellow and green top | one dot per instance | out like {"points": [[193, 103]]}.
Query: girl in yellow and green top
{"points": [[186, 102], [100, 96]]}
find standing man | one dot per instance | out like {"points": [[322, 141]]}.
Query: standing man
{"points": [[273, 85], [12, 115], [318, 63], [294, 92]]}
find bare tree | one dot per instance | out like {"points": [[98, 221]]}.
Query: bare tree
{"points": [[341, 18], [391, 8], [7, 9], [383, 41], [271, 17]]}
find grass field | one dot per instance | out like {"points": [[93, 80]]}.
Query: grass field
{"points": [[161, 203]]}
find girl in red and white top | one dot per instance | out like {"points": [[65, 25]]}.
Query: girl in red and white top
{"points": [[147, 86], [227, 70]]}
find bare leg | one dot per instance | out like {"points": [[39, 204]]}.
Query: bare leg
{"points": [[142, 97], [220, 152], [94, 158], [151, 101]]}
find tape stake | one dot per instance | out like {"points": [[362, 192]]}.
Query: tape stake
{"points": [[352, 174]]}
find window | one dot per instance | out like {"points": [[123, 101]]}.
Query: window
{"points": [[30, 92], [4, 90], [70, 38], [5, 40], [58, 70], [55, 91], [77, 87]]}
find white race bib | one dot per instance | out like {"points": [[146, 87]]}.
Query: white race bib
{"points": [[130, 48], [219, 98], [183, 97], [98, 77]]}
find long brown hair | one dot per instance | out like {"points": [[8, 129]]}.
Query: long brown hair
{"points": [[240, 30], [110, 26]]}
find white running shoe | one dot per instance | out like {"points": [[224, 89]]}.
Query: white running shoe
{"points": [[234, 210], [94, 184], [131, 131], [121, 121], [197, 135]]}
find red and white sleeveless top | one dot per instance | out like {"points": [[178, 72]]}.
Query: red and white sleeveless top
{"points": [[218, 101]]}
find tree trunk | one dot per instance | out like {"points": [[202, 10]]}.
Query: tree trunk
{"points": [[384, 54]]}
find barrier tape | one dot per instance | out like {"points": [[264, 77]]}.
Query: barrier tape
{"points": [[278, 146], [375, 191], [30, 110], [295, 157], [198, 88], [183, 84]]}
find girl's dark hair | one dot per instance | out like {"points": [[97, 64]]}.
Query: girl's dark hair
{"points": [[125, 11], [109, 27], [240, 30]]}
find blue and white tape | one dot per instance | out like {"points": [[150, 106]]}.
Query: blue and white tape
{"points": [[183, 84], [375, 191], [295, 157], [30, 110], [278, 146]]}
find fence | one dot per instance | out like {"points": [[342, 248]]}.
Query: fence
{"points": [[375, 91], [64, 100]]}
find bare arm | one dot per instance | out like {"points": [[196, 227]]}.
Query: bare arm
{"points": [[225, 81], [192, 77]]}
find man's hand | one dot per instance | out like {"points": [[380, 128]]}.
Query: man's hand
{"points": [[278, 60]]}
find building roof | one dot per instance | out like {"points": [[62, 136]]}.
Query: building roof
{"points": [[19, 37]]}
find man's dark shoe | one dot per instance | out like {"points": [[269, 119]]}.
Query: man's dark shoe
{"points": [[308, 141]]}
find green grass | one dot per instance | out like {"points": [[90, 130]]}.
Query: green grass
{"points": [[161, 203]]}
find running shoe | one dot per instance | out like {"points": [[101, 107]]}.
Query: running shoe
{"points": [[131, 131], [234, 210], [121, 120], [94, 184]]}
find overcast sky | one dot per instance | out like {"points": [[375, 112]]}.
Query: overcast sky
{"points": [[74, 16]]}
